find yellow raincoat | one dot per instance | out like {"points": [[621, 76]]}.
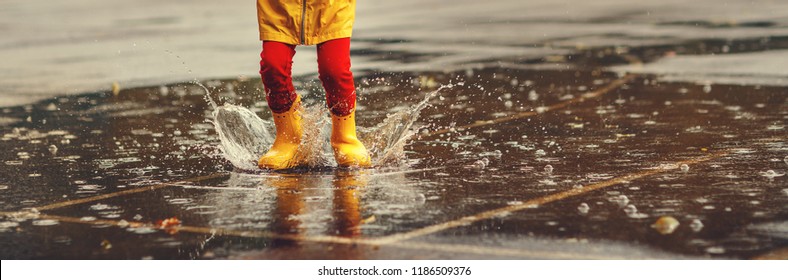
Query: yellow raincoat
{"points": [[305, 22]]}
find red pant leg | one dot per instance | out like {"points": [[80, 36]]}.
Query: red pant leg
{"points": [[276, 64], [333, 60]]}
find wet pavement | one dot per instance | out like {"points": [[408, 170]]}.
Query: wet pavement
{"points": [[552, 158]]}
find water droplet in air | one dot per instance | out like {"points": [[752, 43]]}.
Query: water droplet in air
{"points": [[771, 174], [480, 164], [45, 222], [630, 210], [621, 200], [715, 250], [53, 149], [583, 208], [696, 225], [548, 168], [665, 225], [684, 168], [532, 96]]}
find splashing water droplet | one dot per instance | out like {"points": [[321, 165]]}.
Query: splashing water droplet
{"points": [[696, 225], [771, 174], [548, 168], [684, 168], [53, 149], [533, 96], [164, 90], [630, 210], [621, 200], [45, 222], [665, 225], [480, 164], [715, 250], [583, 208]]}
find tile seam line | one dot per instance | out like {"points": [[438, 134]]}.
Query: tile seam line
{"points": [[499, 251]]}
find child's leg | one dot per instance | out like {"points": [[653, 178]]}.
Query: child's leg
{"points": [[276, 63], [275, 66], [333, 60]]}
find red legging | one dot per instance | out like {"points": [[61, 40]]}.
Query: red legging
{"points": [[333, 60]]}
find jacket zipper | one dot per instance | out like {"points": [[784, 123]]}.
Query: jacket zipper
{"points": [[303, 19]]}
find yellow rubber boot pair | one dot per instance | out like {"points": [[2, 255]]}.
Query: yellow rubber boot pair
{"points": [[282, 154], [348, 150]]}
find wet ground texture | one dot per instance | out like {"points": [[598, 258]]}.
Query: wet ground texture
{"points": [[538, 159]]}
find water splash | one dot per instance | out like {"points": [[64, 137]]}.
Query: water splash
{"points": [[386, 141], [244, 136]]}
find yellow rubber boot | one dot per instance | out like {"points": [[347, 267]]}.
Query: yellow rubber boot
{"points": [[282, 154], [348, 151]]}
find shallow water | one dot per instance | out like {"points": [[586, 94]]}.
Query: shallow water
{"points": [[484, 145]]}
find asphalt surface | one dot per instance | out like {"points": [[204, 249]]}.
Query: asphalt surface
{"points": [[550, 158]]}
